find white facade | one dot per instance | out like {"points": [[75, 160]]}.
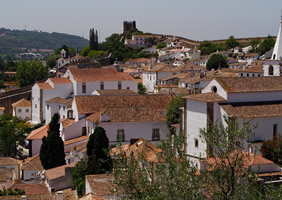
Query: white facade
{"points": [[23, 113], [150, 79], [277, 51], [36, 144]]}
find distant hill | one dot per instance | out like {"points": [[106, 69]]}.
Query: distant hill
{"points": [[39, 40]]}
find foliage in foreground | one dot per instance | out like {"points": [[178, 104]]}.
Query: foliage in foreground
{"points": [[10, 192], [173, 111], [177, 178]]}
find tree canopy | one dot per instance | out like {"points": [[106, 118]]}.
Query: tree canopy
{"points": [[28, 72], [52, 153], [173, 113], [231, 42], [99, 160], [266, 45], [206, 48], [12, 132], [216, 61]]}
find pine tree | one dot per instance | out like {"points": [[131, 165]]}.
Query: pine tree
{"points": [[92, 39], [52, 149], [96, 40], [99, 160]]}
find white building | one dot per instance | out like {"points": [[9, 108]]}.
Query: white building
{"points": [[273, 67], [152, 74], [248, 98], [77, 82], [11, 163], [22, 109], [32, 168]]}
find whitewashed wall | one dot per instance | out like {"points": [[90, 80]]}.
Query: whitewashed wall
{"points": [[24, 113]]}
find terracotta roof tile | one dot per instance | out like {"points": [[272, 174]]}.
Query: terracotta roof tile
{"points": [[139, 60], [67, 122], [2, 108], [129, 115], [254, 109], [91, 197], [99, 74], [32, 163], [251, 84], [74, 140], [116, 92], [101, 184], [57, 172], [6, 174], [45, 86], [9, 161], [22, 103], [31, 189], [92, 104], [205, 97], [60, 80], [179, 76], [39, 133], [160, 67], [57, 100]]}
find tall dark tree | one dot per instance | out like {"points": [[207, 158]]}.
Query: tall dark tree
{"points": [[52, 149], [99, 160], [173, 111], [231, 43], [93, 39], [96, 40]]}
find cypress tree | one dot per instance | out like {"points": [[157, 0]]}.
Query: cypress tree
{"points": [[99, 160], [52, 149], [92, 39]]}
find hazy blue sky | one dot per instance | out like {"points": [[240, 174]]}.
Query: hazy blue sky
{"points": [[197, 19]]}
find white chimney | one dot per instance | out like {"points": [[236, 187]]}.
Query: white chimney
{"points": [[60, 195]]}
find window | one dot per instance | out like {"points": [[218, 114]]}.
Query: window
{"points": [[120, 135], [253, 75], [27, 110], [38, 98], [32, 98], [241, 74], [128, 88], [156, 134], [102, 86], [35, 105], [47, 107], [64, 108], [214, 89], [83, 131], [19, 110], [83, 87], [119, 85], [196, 143], [70, 114], [270, 70], [275, 134], [59, 107], [64, 116]]}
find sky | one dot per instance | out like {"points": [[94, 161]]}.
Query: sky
{"points": [[193, 19]]}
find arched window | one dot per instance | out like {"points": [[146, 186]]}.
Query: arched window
{"points": [[156, 134], [270, 70]]}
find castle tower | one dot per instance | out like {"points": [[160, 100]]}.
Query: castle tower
{"points": [[277, 51]]}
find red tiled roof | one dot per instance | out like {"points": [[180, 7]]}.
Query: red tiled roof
{"points": [[74, 140], [9, 161], [57, 172], [45, 86], [31, 189], [101, 184], [22, 103], [99, 74], [60, 80], [2, 108], [67, 122], [32, 163], [205, 97], [39, 133]]}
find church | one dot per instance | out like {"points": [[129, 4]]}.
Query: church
{"points": [[273, 67]]}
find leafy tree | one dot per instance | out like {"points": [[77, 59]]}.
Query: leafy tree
{"points": [[141, 88], [173, 111], [150, 41], [12, 133], [51, 60], [2, 64], [96, 54], [231, 42], [52, 152], [70, 52], [266, 45], [171, 178], [28, 72], [85, 51], [216, 61], [97, 151], [206, 48], [161, 45], [272, 150], [78, 176], [254, 44]]}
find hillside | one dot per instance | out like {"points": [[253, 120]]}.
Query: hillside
{"points": [[16, 39]]}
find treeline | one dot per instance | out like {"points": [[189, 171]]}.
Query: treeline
{"points": [[38, 40]]}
